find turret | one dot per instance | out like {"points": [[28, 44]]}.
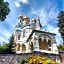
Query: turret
{"points": [[39, 24], [33, 23], [33, 20], [20, 20], [20, 17], [25, 20]]}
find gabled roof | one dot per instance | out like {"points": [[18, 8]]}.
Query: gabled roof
{"points": [[39, 32]]}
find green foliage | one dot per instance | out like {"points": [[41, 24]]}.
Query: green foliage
{"points": [[11, 42], [4, 10], [7, 48], [61, 23], [60, 47], [22, 61], [3, 49]]}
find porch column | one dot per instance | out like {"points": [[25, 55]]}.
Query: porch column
{"points": [[36, 44]]}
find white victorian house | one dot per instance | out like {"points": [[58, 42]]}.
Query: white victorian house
{"points": [[32, 37]]}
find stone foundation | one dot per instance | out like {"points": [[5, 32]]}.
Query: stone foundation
{"points": [[15, 58], [62, 56]]}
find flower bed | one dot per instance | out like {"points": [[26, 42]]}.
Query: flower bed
{"points": [[37, 60]]}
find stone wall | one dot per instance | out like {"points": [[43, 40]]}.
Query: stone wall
{"points": [[15, 58], [62, 56]]}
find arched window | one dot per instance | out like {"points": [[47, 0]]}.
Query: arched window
{"points": [[43, 44], [18, 47], [23, 47], [40, 39], [49, 42], [19, 37]]}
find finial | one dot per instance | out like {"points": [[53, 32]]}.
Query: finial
{"points": [[20, 16], [39, 18], [26, 18], [39, 21]]}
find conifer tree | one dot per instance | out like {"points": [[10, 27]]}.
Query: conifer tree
{"points": [[61, 24], [10, 44]]}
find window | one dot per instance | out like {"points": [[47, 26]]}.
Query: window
{"points": [[49, 42], [40, 39], [44, 42], [24, 33], [18, 47], [18, 37], [23, 47]]}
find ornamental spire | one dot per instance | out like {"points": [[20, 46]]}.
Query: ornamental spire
{"points": [[39, 24]]}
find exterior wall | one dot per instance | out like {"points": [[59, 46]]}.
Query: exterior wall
{"points": [[23, 48], [24, 34], [15, 58], [35, 39]]}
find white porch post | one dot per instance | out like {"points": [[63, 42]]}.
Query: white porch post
{"points": [[36, 44]]}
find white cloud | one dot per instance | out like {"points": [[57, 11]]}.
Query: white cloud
{"points": [[17, 4], [46, 17], [24, 1], [56, 30], [4, 36], [58, 39], [53, 13], [3, 40], [7, 34], [43, 15], [52, 29]]}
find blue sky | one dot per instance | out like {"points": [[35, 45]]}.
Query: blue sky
{"points": [[46, 9]]}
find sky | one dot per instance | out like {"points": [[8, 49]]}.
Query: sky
{"points": [[47, 10]]}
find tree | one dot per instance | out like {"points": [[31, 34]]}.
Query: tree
{"points": [[60, 47], [4, 10], [10, 44], [3, 49], [6, 48], [61, 24]]}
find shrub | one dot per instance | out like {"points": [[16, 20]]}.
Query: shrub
{"points": [[37, 60]]}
